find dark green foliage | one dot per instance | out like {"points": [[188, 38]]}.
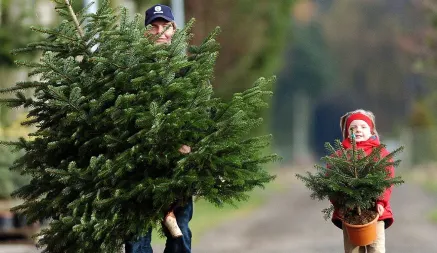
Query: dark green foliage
{"points": [[104, 160], [350, 179]]}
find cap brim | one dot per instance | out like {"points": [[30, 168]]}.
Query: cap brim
{"points": [[149, 21]]}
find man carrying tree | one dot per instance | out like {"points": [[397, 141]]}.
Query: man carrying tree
{"points": [[161, 18], [104, 158]]}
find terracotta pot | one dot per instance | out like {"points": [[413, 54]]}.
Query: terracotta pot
{"points": [[362, 235]]}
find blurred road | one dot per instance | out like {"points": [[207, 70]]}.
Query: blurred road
{"points": [[16, 248], [292, 222]]}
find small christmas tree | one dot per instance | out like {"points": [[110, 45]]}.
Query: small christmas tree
{"points": [[352, 180], [112, 109]]}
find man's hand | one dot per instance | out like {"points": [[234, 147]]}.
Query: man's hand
{"points": [[380, 209], [185, 149]]}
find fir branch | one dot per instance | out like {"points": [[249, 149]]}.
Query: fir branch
{"points": [[8, 143], [18, 144], [30, 122], [85, 9], [50, 32], [108, 61], [22, 86], [58, 71], [61, 97], [229, 105], [328, 171], [74, 17], [16, 102]]}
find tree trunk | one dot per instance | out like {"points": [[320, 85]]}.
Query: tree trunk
{"points": [[301, 124]]}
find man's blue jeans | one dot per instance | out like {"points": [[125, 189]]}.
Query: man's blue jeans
{"points": [[173, 245]]}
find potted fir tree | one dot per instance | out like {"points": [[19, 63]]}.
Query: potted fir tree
{"points": [[353, 182]]}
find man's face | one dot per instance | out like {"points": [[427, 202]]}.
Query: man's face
{"points": [[158, 27], [361, 130]]}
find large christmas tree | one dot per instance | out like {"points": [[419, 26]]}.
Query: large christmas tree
{"points": [[111, 110]]}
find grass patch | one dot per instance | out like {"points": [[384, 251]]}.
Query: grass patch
{"points": [[207, 216], [431, 185], [428, 179], [433, 216]]}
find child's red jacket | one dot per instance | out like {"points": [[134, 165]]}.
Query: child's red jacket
{"points": [[384, 200]]}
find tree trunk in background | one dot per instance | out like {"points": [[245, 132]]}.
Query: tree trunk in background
{"points": [[142, 5], [206, 15], [406, 139], [42, 13], [302, 113], [130, 5], [46, 12], [1, 11]]}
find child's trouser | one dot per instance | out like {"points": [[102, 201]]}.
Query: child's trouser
{"points": [[173, 245], [378, 246]]}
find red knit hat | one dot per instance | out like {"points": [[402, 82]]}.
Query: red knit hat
{"points": [[358, 116]]}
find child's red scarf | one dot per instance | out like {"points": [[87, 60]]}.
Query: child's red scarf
{"points": [[366, 146]]}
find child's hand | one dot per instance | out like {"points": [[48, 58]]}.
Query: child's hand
{"points": [[185, 149], [380, 209]]}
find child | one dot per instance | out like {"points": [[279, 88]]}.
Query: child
{"points": [[362, 124]]}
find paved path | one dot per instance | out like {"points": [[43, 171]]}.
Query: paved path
{"points": [[13, 248]]}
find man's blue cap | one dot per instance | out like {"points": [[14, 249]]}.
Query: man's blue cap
{"points": [[158, 11]]}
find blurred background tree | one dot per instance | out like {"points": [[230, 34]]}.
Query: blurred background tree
{"points": [[347, 55], [329, 56], [422, 119], [306, 75], [16, 17], [254, 35]]}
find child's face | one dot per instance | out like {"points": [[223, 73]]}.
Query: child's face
{"points": [[361, 130]]}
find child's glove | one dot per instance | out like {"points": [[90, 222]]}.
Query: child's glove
{"points": [[380, 209]]}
